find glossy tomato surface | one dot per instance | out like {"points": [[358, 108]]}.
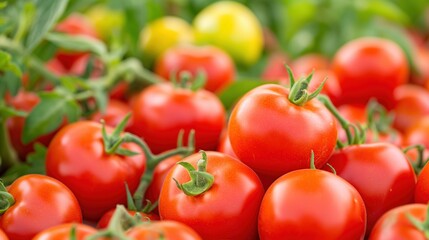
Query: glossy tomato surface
{"points": [[64, 232], [170, 230]]}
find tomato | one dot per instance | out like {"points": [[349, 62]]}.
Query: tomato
{"points": [[421, 57], [76, 157], [418, 132], [274, 136], [170, 230], [40, 202], [380, 172], [370, 68], [79, 67], [275, 68], [105, 219], [311, 204], [115, 112], [421, 194], [412, 103], [305, 64], [232, 27], [216, 64], [74, 24], [106, 21], [63, 232], [3, 235], [395, 224], [162, 110], [164, 33], [225, 145], [227, 210], [23, 101]]}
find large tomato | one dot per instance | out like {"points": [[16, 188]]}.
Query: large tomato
{"points": [[226, 210], [170, 230], [214, 62], [64, 232], [418, 132], [232, 27], [311, 204], [273, 136], [370, 68], [3, 235], [77, 158], [395, 224], [380, 172], [40, 203], [162, 110], [421, 194]]}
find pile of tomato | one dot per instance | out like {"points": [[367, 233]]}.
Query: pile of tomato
{"points": [[317, 148]]}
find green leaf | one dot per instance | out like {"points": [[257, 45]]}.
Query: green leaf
{"points": [[385, 9], [6, 112], [236, 90], [78, 43], [48, 12], [49, 114], [79, 6], [6, 64], [101, 99]]}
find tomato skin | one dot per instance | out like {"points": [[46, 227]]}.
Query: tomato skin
{"points": [[40, 202], [421, 194], [275, 69], [394, 224], [3, 235], [381, 163], [161, 111], [217, 65], [412, 103], [225, 145], [311, 204], [105, 219], [418, 132], [114, 114], [306, 64], [63, 231], [209, 214], [76, 157], [370, 67], [170, 230], [274, 136]]}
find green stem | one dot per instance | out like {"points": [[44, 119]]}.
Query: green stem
{"points": [[8, 155], [6, 199], [299, 94], [420, 161], [422, 226]]}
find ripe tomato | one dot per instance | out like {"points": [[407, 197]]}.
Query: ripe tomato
{"points": [[74, 24], [418, 132], [105, 219], [305, 64], [3, 235], [24, 101], [232, 27], [209, 213], [395, 224], [370, 68], [170, 230], [225, 145], [63, 232], [273, 136], [217, 65], [275, 68], [115, 112], [380, 172], [162, 110], [164, 33], [76, 157], [40, 202], [311, 204], [79, 67], [421, 193], [412, 103]]}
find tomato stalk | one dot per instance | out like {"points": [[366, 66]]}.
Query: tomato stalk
{"points": [[201, 181], [378, 119], [422, 226], [6, 199], [299, 94], [420, 162], [8, 156]]}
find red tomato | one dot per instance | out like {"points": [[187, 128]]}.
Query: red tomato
{"points": [[380, 172], [76, 157], [74, 24], [24, 101], [311, 204], [370, 68], [55, 66], [40, 202], [227, 210], [421, 193], [225, 145], [308, 63], [412, 103], [275, 69], [217, 64], [170, 230], [418, 133], [3, 235], [63, 232], [105, 219], [274, 136], [114, 114], [421, 57], [395, 224], [162, 110], [79, 67]]}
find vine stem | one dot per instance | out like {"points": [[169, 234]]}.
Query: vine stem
{"points": [[8, 155]]}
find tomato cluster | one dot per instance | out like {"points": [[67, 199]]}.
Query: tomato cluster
{"points": [[319, 148]]}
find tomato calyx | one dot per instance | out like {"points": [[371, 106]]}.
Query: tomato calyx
{"points": [[422, 226], [186, 82], [299, 94], [73, 234], [420, 162], [201, 181], [379, 121], [6, 199]]}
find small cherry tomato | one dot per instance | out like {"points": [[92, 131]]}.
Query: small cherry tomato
{"points": [[64, 232], [170, 230]]}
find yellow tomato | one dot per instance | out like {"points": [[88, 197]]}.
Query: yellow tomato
{"points": [[164, 33], [106, 21], [232, 27]]}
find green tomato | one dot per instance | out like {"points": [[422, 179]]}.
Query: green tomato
{"points": [[106, 21], [164, 33], [232, 27]]}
